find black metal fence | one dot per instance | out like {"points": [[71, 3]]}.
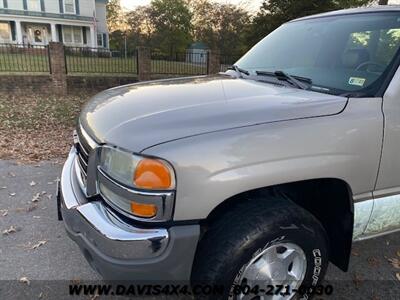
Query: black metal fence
{"points": [[24, 58], [101, 61], [180, 63], [85, 60], [228, 60]]}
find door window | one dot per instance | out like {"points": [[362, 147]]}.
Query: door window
{"points": [[72, 35], [34, 5], [5, 33], [69, 6]]}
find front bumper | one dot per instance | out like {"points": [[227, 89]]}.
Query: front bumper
{"points": [[120, 251]]}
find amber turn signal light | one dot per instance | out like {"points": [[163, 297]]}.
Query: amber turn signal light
{"points": [[152, 174], [143, 210]]}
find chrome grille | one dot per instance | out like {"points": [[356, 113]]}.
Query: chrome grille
{"points": [[83, 151], [83, 158], [85, 161]]}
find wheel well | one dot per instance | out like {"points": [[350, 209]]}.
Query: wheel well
{"points": [[329, 200]]}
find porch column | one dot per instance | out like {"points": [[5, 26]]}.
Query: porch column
{"points": [[93, 39], [18, 29], [54, 36]]}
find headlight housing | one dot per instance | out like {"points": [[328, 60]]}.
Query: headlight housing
{"points": [[137, 186], [137, 171]]}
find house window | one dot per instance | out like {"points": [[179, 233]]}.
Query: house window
{"points": [[72, 35], [69, 6], [100, 41], [34, 5], [5, 33]]}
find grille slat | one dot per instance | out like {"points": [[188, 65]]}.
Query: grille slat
{"points": [[83, 156]]}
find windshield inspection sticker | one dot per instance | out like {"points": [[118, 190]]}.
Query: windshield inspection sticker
{"points": [[357, 81]]}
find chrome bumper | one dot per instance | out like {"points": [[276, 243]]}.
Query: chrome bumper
{"points": [[118, 250]]}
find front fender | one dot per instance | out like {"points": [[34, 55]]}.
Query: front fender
{"points": [[213, 167]]}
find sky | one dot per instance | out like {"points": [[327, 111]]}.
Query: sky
{"points": [[250, 4]]}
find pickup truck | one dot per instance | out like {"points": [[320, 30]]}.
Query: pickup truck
{"points": [[258, 176]]}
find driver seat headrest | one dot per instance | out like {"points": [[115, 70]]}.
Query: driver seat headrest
{"points": [[352, 58]]}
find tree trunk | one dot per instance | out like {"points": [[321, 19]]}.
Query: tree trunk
{"points": [[383, 2]]}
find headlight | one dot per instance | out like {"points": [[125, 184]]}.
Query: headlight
{"points": [[136, 171], [138, 186]]}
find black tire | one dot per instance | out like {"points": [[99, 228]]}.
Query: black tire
{"points": [[233, 239]]}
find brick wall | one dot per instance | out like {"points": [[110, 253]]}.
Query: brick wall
{"points": [[23, 84], [96, 83]]}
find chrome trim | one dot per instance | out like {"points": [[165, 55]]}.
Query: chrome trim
{"points": [[82, 160], [78, 174], [100, 227], [372, 236], [377, 216], [88, 148], [132, 190], [362, 215], [362, 197], [163, 200], [92, 144], [386, 193]]}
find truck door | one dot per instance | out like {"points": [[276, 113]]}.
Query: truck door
{"points": [[386, 212]]}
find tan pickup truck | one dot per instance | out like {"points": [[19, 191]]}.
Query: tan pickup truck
{"points": [[258, 176]]}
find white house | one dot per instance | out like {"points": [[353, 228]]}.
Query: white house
{"points": [[80, 23]]}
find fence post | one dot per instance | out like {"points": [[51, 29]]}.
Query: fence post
{"points": [[213, 63], [58, 67], [144, 63]]}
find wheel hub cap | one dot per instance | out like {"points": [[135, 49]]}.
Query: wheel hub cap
{"points": [[281, 264]]}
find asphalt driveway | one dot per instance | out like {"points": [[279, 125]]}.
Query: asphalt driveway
{"points": [[38, 261]]}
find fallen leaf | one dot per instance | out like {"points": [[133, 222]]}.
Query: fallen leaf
{"points": [[40, 243], [12, 194], [32, 183], [11, 174], [25, 280], [4, 212], [3, 188], [44, 193], [395, 262], [36, 198], [398, 276], [355, 252], [10, 230], [373, 261], [40, 295], [31, 208], [357, 279], [36, 217], [398, 253]]}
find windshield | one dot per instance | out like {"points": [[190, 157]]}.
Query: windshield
{"points": [[340, 54]]}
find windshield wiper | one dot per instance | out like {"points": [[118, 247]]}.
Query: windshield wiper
{"points": [[239, 71], [294, 80]]}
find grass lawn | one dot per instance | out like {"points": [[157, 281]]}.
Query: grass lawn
{"points": [[21, 62], [34, 128]]}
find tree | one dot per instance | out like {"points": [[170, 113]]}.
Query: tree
{"points": [[140, 27], [273, 13], [383, 2], [171, 22], [114, 15], [220, 26]]}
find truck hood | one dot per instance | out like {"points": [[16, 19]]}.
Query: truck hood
{"points": [[142, 115]]}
